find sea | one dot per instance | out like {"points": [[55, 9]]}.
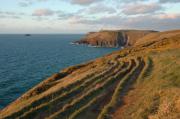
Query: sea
{"points": [[27, 60]]}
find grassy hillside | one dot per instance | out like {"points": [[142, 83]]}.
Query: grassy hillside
{"points": [[139, 82]]}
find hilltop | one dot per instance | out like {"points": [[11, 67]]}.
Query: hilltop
{"points": [[116, 38], [138, 82]]}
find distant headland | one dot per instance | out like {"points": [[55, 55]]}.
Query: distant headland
{"points": [[113, 38]]}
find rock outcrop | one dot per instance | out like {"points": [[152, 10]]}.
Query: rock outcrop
{"points": [[118, 38]]}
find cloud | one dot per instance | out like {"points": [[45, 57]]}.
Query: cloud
{"points": [[64, 16], [112, 20], [84, 2], [100, 8], [169, 1], [141, 8], [48, 14], [159, 22], [93, 14], [156, 22], [130, 1], [12, 15], [26, 3], [43, 12]]}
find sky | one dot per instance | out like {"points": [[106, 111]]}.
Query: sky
{"points": [[81, 16]]}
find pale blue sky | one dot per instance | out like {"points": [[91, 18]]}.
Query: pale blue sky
{"points": [[80, 16]]}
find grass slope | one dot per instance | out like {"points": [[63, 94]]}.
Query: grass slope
{"points": [[138, 82]]}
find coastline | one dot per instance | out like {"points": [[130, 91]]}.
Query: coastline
{"points": [[89, 45], [103, 81]]}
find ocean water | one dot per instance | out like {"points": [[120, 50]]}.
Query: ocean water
{"points": [[26, 61]]}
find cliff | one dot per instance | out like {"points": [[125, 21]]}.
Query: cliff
{"points": [[137, 82], [118, 38]]}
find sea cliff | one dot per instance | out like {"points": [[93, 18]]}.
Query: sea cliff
{"points": [[116, 38]]}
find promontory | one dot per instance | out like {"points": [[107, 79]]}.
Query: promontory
{"points": [[113, 38]]}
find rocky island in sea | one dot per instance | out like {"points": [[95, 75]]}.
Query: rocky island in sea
{"points": [[138, 82], [27, 34]]}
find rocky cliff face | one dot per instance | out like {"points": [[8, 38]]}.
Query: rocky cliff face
{"points": [[116, 38]]}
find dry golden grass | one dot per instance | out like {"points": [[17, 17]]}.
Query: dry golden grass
{"points": [[139, 91]]}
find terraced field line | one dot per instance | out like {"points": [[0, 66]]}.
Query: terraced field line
{"points": [[148, 63], [79, 102], [43, 99], [97, 81], [89, 104], [49, 97], [79, 111], [121, 89], [46, 106]]}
